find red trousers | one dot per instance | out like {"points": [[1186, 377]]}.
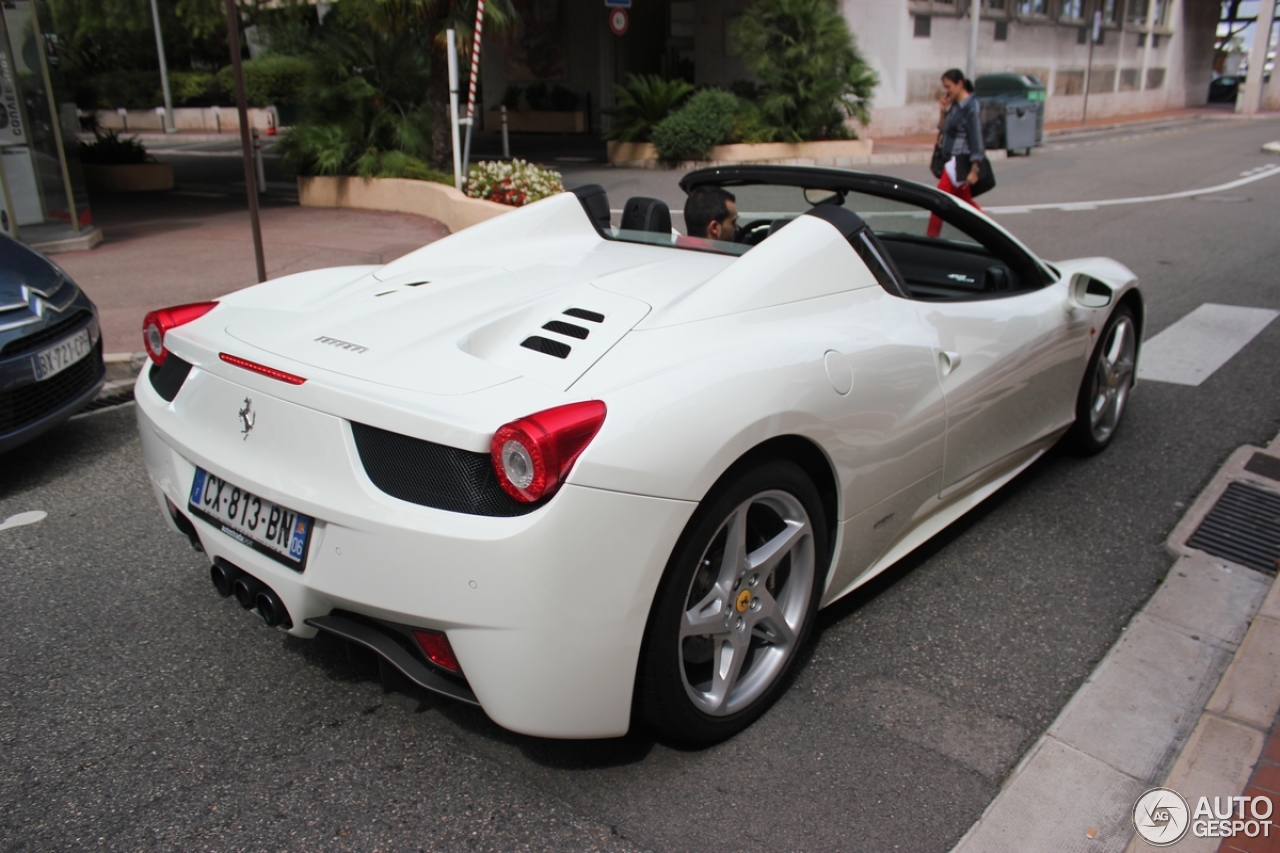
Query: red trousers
{"points": [[962, 191]]}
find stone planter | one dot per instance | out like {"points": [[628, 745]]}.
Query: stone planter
{"points": [[835, 152], [537, 121], [184, 118], [128, 178], [438, 201]]}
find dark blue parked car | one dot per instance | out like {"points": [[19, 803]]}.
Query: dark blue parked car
{"points": [[50, 345]]}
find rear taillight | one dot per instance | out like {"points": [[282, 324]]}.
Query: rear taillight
{"points": [[437, 649], [532, 455], [157, 323]]}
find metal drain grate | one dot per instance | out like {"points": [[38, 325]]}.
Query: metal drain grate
{"points": [[1244, 527]]}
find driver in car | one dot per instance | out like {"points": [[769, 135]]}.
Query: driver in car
{"points": [[710, 213]]}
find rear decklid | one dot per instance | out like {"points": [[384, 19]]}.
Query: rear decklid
{"points": [[460, 332]]}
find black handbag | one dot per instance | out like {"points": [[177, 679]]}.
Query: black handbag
{"points": [[939, 162], [986, 178]]}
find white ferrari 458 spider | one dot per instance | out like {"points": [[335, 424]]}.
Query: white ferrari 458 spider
{"points": [[588, 476]]}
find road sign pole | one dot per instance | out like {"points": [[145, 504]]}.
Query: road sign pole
{"points": [[246, 144], [1094, 32], [471, 91], [451, 42]]}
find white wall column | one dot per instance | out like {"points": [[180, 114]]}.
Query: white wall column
{"points": [[1251, 100]]}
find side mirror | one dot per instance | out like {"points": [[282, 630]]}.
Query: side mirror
{"points": [[816, 197], [1088, 292]]}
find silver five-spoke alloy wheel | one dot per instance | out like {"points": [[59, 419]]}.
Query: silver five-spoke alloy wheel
{"points": [[1112, 379], [747, 603]]}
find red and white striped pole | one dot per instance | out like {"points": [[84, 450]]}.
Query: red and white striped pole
{"points": [[471, 91]]}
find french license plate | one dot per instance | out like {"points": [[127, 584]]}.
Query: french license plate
{"points": [[269, 528], [61, 355]]}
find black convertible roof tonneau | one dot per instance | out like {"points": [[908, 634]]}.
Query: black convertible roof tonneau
{"points": [[815, 177]]}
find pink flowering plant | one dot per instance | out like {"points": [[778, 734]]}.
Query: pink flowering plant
{"points": [[513, 182]]}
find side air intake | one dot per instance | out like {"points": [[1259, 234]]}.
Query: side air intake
{"points": [[562, 328], [584, 314], [537, 343]]}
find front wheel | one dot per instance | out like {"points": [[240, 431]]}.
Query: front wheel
{"points": [[736, 606], [1107, 382]]}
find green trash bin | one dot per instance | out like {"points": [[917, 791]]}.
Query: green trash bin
{"points": [[1003, 94]]}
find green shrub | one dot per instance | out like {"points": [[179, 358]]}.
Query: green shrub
{"points": [[108, 149], [268, 80], [810, 73], [133, 90], [690, 132], [196, 89], [751, 126], [643, 104]]}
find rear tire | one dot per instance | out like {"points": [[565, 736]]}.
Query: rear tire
{"points": [[736, 606], [1104, 391]]}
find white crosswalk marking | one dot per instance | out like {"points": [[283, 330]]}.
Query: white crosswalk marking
{"points": [[1189, 351]]}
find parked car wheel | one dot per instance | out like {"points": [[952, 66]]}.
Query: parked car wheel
{"points": [[736, 607], [1107, 382]]}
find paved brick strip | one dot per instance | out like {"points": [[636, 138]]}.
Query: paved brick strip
{"points": [[1265, 782]]}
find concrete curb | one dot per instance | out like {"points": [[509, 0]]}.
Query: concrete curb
{"points": [[1185, 698], [84, 241]]}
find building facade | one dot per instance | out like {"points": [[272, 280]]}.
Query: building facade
{"points": [[1152, 54]]}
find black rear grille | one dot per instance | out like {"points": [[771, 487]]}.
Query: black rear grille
{"points": [[537, 343], [167, 378], [433, 475], [28, 403], [1244, 527], [33, 342]]}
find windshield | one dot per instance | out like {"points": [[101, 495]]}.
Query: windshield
{"points": [[675, 240], [769, 207]]}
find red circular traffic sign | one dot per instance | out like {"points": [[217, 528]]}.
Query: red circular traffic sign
{"points": [[618, 20]]}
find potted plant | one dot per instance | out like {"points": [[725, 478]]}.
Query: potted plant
{"points": [[122, 165]]}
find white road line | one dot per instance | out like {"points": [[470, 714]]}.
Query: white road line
{"points": [[23, 518], [1270, 171], [1189, 351]]}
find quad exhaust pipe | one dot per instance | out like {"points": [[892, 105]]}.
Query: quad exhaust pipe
{"points": [[250, 592]]}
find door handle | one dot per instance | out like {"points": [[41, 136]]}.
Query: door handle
{"points": [[950, 361]]}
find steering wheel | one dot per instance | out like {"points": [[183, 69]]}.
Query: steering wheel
{"points": [[753, 232]]}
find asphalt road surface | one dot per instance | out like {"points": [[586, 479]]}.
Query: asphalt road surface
{"points": [[140, 711]]}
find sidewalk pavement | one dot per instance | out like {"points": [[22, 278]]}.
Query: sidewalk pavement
{"points": [[915, 144], [1186, 699]]}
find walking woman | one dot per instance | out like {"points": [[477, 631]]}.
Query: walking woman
{"points": [[961, 140]]}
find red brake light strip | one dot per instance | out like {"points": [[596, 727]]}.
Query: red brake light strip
{"points": [[261, 368]]}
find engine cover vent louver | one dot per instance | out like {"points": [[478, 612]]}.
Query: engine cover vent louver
{"points": [[537, 343], [562, 328], [434, 475], [584, 314]]}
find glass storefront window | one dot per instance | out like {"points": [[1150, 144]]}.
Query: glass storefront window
{"points": [[43, 193]]}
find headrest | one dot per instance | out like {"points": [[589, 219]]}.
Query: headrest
{"points": [[646, 214], [595, 201]]}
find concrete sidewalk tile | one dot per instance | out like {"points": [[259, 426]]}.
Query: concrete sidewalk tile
{"points": [[1209, 598], [1250, 689], [1143, 698], [1215, 763], [1052, 803]]}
